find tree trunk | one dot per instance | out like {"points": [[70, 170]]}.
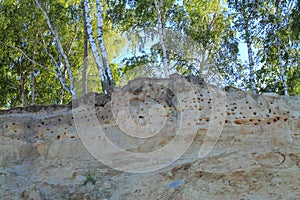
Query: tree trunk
{"points": [[32, 84], [103, 77], [33, 72], [101, 44], [22, 89], [282, 71], [281, 67], [60, 51], [250, 59], [61, 96], [161, 37], [85, 55]]}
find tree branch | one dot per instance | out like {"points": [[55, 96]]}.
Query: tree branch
{"points": [[28, 58], [60, 50]]}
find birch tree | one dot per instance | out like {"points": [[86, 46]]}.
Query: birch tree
{"points": [[159, 6], [278, 52], [246, 13], [63, 58], [279, 44], [102, 46], [32, 77], [143, 21], [105, 74], [204, 26]]}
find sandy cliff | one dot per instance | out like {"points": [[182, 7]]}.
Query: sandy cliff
{"points": [[257, 155]]}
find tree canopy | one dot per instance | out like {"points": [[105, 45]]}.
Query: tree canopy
{"points": [[54, 51]]}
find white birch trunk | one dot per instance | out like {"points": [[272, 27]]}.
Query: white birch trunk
{"points": [[161, 38], [85, 54], [250, 59], [61, 96], [102, 45], [84, 75], [61, 51], [103, 78], [282, 71], [32, 71], [281, 67]]}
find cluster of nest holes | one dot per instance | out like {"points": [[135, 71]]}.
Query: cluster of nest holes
{"points": [[160, 90], [15, 138], [255, 120], [194, 105], [161, 101], [102, 117], [258, 121], [202, 120], [55, 122], [231, 111], [58, 137]]}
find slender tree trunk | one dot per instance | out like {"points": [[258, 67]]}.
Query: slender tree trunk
{"points": [[204, 57], [250, 59], [281, 67], [60, 51], [62, 93], [61, 96], [33, 72], [282, 70], [85, 55], [102, 74], [101, 44], [161, 37], [22, 89], [32, 84]]}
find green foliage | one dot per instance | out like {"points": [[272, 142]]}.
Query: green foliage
{"points": [[24, 27], [269, 28], [278, 51], [90, 177], [295, 17], [194, 32], [202, 37], [294, 80]]}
